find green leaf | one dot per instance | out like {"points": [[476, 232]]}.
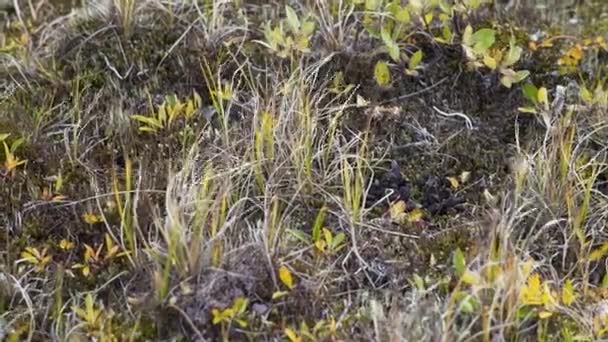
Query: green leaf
{"points": [[417, 5], [148, 129], [415, 60], [338, 239], [483, 39], [372, 5], [147, 120], [459, 262], [316, 229], [15, 145], [604, 284], [391, 45], [584, 94], [530, 92], [419, 282], [445, 7], [470, 277], [382, 74], [520, 76], [300, 235], [446, 34], [402, 15], [510, 76], [3, 136], [468, 304], [292, 19], [308, 27], [473, 4], [513, 55]]}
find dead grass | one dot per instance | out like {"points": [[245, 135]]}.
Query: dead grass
{"points": [[230, 170]]}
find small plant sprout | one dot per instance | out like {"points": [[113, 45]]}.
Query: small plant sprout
{"points": [[539, 100], [236, 313], [95, 259], [238, 308], [11, 161], [414, 63], [480, 51], [66, 245], [92, 315], [394, 51], [338, 84], [330, 243], [38, 258], [91, 218], [292, 35], [168, 112], [398, 213], [598, 96]]}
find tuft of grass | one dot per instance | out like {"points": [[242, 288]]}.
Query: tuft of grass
{"points": [[214, 170]]}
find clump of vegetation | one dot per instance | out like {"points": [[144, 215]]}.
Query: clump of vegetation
{"points": [[315, 171]]}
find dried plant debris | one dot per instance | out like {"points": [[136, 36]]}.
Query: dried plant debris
{"points": [[349, 170]]}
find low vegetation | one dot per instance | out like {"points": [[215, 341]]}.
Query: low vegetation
{"points": [[422, 170]]}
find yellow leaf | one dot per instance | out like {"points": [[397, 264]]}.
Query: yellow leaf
{"points": [[586, 95], [599, 253], [531, 293], [453, 182], [286, 277], [221, 316], [320, 245], [415, 215], [428, 18], [279, 294], [29, 257], [568, 294], [11, 161], [548, 297], [291, 335], [65, 244], [576, 52], [89, 253], [397, 209], [471, 278], [382, 74], [526, 267], [547, 43], [489, 62], [240, 305], [216, 316], [544, 314], [91, 218], [542, 96], [86, 271]]}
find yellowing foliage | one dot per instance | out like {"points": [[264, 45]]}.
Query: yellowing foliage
{"points": [[286, 277]]}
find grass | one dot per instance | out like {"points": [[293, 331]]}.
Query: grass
{"points": [[312, 171]]}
